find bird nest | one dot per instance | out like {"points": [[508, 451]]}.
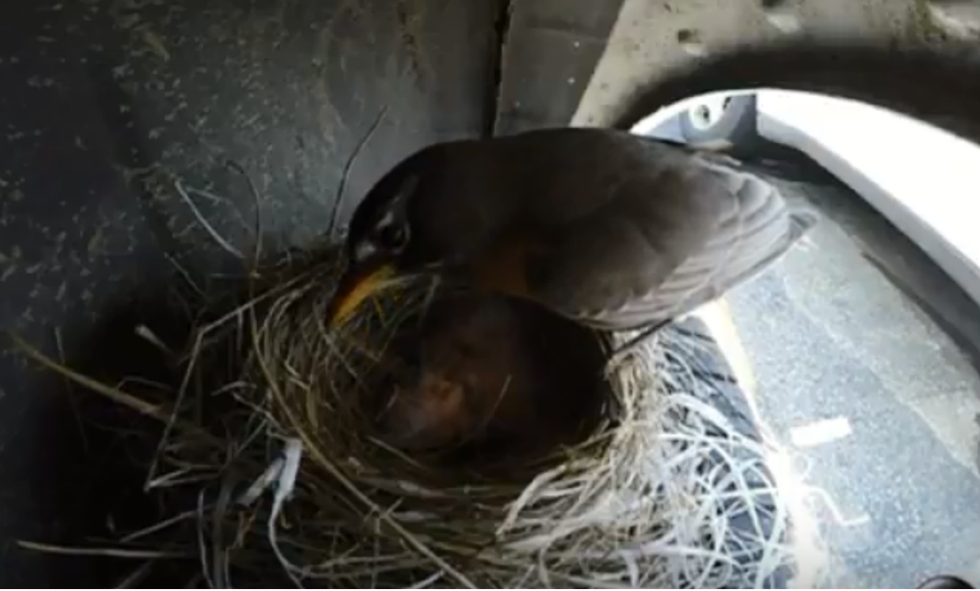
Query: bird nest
{"points": [[442, 439]]}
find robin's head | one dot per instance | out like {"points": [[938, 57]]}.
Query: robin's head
{"points": [[395, 230], [429, 214], [378, 240]]}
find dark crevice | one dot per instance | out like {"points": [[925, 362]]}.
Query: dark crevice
{"points": [[500, 33]]}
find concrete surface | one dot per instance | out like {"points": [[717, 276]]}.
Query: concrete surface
{"points": [[549, 53], [652, 37], [104, 104], [882, 406]]}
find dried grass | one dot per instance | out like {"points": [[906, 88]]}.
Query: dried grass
{"points": [[649, 501]]}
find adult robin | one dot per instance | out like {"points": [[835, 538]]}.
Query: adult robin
{"points": [[610, 229]]}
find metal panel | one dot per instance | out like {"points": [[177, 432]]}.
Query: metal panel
{"points": [[550, 52]]}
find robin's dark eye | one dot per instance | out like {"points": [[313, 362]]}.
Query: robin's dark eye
{"points": [[391, 237]]}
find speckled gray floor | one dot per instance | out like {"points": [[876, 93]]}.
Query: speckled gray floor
{"points": [[829, 337]]}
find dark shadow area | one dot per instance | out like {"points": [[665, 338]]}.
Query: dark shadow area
{"points": [[81, 485]]}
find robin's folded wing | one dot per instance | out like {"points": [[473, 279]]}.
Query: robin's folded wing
{"points": [[620, 272]]}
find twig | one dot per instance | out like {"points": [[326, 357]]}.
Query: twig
{"points": [[219, 553], [128, 400], [204, 222], [202, 548], [262, 483], [338, 200], [172, 417], [72, 401], [645, 334], [158, 526], [222, 200], [258, 208], [185, 275], [177, 477], [428, 581], [111, 552], [133, 578], [144, 332]]}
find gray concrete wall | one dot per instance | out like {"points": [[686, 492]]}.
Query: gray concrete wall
{"points": [[652, 37]]}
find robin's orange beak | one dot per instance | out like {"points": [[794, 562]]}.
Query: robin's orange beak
{"points": [[356, 286]]}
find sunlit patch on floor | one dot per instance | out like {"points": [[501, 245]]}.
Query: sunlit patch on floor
{"points": [[820, 432]]}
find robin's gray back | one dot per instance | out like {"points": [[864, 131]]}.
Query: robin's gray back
{"points": [[563, 175], [621, 231], [648, 231]]}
